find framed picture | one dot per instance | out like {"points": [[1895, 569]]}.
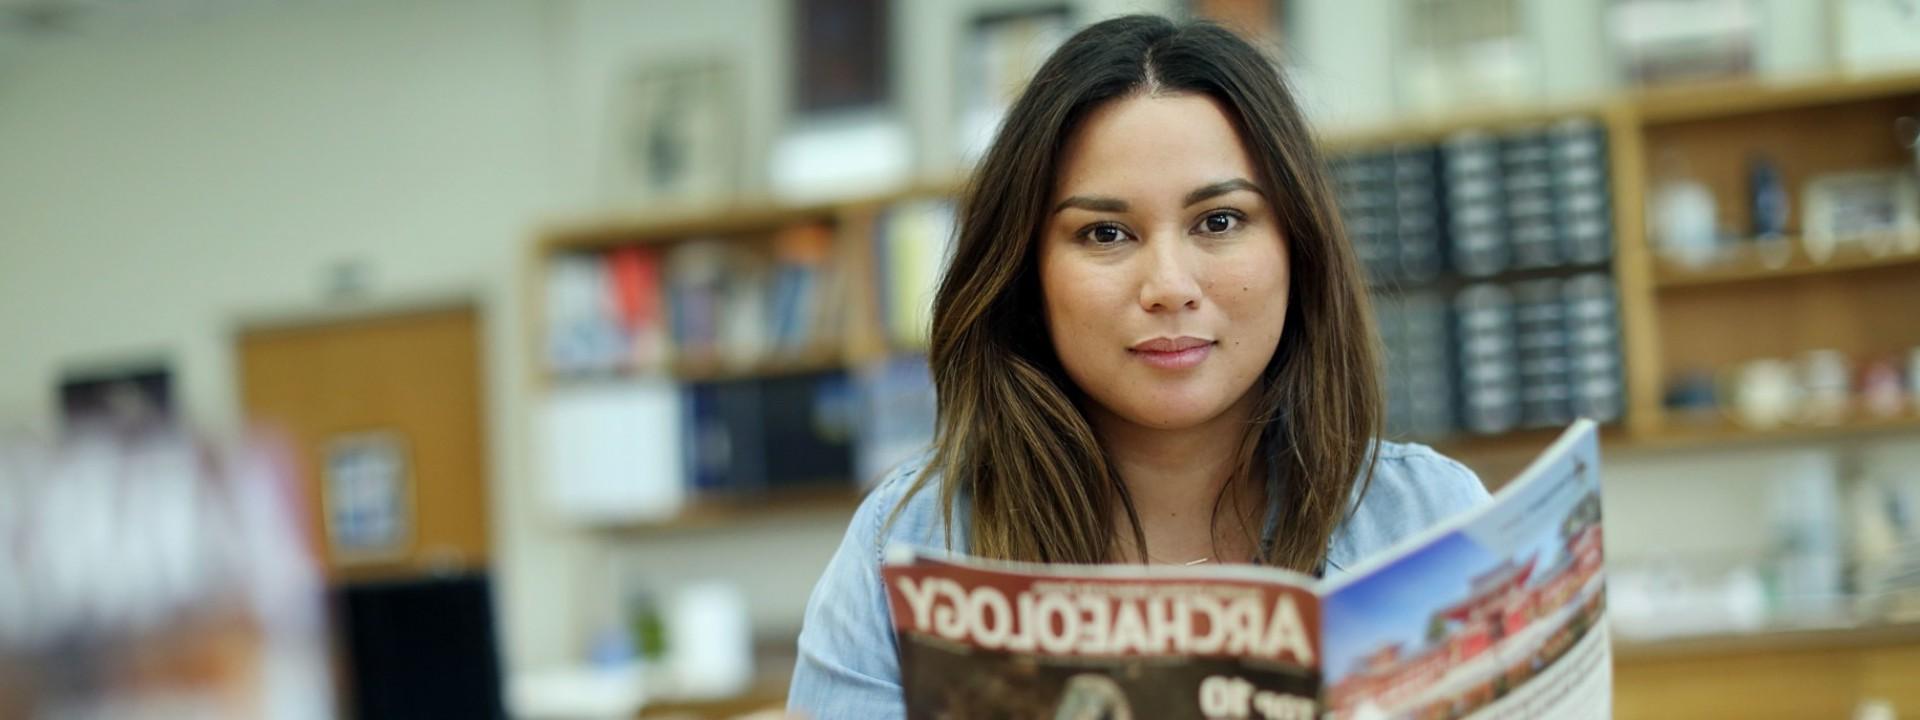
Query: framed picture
{"points": [[1457, 54], [1673, 41], [844, 56], [999, 55], [1878, 211], [367, 490], [674, 135], [130, 394]]}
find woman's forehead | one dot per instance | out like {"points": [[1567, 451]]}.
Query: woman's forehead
{"points": [[1152, 145]]}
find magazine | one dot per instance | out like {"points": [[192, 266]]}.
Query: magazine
{"points": [[1497, 613]]}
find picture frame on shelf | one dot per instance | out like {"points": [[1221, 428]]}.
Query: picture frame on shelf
{"points": [[844, 56], [1459, 54], [1876, 210], [131, 393], [845, 135], [674, 135], [1666, 42], [1001, 52]]}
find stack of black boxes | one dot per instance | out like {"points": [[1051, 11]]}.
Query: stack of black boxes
{"points": [[1489, 255]]}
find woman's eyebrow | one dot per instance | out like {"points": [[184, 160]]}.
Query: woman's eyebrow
{"points": [[1100, 203], [1214, 190], [1094, 203]]}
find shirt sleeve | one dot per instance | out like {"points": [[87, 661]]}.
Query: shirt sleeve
{"points": [[1413, 488], [1440, 486], [848, 666]]}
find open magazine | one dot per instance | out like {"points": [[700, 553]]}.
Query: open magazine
{"points": [[1497, 613]]}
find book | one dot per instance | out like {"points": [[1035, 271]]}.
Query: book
{"points": [[1489, 359], [899, 412], [634, 275], [913, 242], [1579, 150], [697, 272], [1593, 347], [1540, 334], [1497, 612], [1419, 354], [753, 435], [1476, 203], [583, 330]]}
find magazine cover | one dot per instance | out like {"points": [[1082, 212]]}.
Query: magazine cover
{"points": [[1497, 613]]}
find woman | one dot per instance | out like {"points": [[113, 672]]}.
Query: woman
{"points": [[1153, 345]]}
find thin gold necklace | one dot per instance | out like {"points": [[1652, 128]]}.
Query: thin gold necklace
{"points": [[1189, 563]]}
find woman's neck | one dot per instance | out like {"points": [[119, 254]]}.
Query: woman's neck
{"points": [[1175, 477]]}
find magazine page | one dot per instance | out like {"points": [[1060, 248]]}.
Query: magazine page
{"points": [[982, 639], [1498, 614]]}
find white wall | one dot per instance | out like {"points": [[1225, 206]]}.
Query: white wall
{"points": [[159, 183]]}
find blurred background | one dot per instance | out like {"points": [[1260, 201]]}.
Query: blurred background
{"points": [[537, 353]]}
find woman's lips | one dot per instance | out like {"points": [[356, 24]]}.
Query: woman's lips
{"points": [[1173, 353]]}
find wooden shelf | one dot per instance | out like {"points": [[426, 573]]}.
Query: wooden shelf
{"points": [[714, 369], [741, 216], [1748, 265], [1434, 129], [1821, 672], [1497, 458], [673, 225], [723, 511], [1449, 283], [1856, 636], [1709, 101], [690, 370], [1725, 433]]}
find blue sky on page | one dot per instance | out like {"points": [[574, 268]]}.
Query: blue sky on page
{"points": [[1396, 603]]}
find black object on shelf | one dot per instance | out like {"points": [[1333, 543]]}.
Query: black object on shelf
{"points": [[1489, 359], [1487, 253], [420, 648], [1581, 191], [1476, 204], [1540, 321], [753, 435]]}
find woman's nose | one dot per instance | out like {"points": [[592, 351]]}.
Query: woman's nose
{"points": [[1169, 281]]}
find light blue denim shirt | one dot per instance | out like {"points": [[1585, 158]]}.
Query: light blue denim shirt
{"points": [[848, 663]]}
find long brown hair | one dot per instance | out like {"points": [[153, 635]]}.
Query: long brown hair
{"points": [[1011, 436]]}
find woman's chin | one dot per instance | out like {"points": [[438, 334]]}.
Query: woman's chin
{"points": [[1173, 414]]}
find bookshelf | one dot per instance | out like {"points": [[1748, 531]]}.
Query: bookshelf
{"points": [[1749, 264], [1671, 319], [725, 512], [1829, 669], [1720, 432], [1771, 299]]}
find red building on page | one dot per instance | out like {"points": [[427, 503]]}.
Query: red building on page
{"points": [[1500, 603]]}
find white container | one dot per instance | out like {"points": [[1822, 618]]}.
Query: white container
{"points": [[709, 641]]}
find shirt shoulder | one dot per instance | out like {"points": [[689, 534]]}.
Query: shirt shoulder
{"points": [[1413, 487], [847, 663], [920, 520]]}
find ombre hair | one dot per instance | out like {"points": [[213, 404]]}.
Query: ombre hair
{"points": [[1011, 435]]}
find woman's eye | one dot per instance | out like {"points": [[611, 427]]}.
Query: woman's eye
{"points": [[1105, 234], [1220, 222]]}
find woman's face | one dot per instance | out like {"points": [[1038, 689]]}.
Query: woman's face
{"points": [[1162, 264]]}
